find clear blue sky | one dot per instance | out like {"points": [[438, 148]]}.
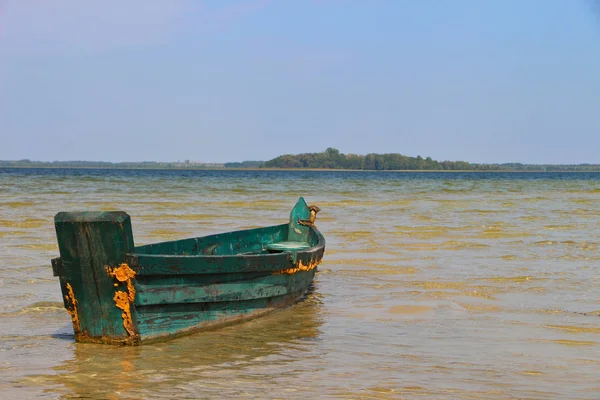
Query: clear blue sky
{"points": [[216, 81]]}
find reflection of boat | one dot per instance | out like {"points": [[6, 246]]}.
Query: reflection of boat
{"points": [[118, 293], [207, 363]]}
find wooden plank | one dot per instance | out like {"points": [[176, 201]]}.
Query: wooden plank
{"points": [[244, 289], [160, 322], [198, 279], [154, 264]]}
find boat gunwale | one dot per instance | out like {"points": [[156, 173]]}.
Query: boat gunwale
{"points": [[132, 257]]}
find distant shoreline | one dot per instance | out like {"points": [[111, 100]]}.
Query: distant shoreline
{"points": [[329, 160], [295, 169]]}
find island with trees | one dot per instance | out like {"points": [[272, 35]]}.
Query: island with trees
{"points": [[333, 159]]}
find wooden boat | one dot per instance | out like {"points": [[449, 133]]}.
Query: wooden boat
{"points": [[121, 294]]}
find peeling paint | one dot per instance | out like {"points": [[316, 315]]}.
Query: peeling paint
{"points": [[124, 274], [299, 267], [122, 301], [72, 309]]}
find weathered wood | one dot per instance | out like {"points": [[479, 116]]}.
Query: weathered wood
{"points": [[56, 266], [160, 322], [154, 264], [266, 286], [89, 243]]}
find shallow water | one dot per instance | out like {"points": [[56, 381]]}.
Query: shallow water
{"points": [[433, 285]]}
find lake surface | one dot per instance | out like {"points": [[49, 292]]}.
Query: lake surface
{"points": [[433, 285]]}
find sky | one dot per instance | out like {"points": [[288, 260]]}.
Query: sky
{"points": [[224, 80]]}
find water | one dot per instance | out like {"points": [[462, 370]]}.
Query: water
{"points": [[433, 285]]}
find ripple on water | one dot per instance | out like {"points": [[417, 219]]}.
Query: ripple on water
{"points": [[13, 233], [575, 329], [422, 232], [38, 246], [378, 270], [514, 279], [499, 233], [252, 205], [26, 223], [451, 245], [409, 309], [169, 234], [459, 288], [182, 217], [39, 307], [346, 203], [480, 308], [18, 204], [566, 342]]}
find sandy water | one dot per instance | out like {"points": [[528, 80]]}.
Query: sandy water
{"points": [[433, 285]]}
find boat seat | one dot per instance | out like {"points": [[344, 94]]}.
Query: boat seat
{"points": [[287, 246]]}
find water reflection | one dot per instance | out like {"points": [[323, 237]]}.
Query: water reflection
{"points": [[203, 360]]}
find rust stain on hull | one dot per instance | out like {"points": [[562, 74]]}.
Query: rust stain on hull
{"points": [[72, 309], [299, 267], [122, 273], [123, 299]]}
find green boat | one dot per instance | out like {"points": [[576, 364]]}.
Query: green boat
{"points": [[117, 293]]}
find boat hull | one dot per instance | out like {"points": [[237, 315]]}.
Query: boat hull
{"points": [[117, 293], [168, 321], [163, 322]]}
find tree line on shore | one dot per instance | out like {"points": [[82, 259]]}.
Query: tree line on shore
{"points": [[331, 158], [106, 164]]}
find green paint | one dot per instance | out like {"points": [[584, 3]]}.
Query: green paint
{"points": [[180, 286], [297, 232], [157, 292], [89, 242]]}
